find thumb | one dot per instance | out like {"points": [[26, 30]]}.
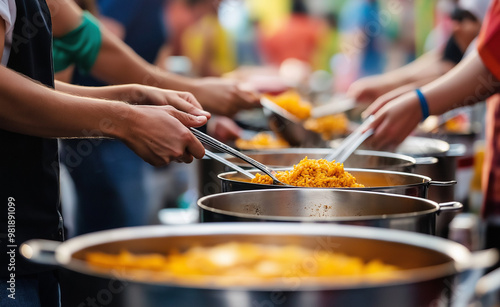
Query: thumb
{"points": [[189, 120]]}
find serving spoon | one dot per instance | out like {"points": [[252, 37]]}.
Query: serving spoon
{"points": [[351, 143], [228, 163], [210, 141]]}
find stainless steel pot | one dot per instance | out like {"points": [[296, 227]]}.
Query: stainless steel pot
{"points": [[208, 169], [374, 180], [434, 267], [444, 168], [325, 206]]}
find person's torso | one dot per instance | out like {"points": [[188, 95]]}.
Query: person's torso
{"points": [[29, 166]]}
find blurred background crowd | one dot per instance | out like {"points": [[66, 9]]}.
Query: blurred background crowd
{"points": [[319, 47]]}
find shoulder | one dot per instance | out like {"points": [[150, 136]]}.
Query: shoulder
{"points": [[8, 13]]}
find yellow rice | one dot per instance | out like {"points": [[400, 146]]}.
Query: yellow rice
{"points": [[293, 103], [314, 173], [262, 140], [240, 263], [328, 126]]}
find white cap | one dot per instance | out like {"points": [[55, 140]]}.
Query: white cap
{"points": [[477, 7]]}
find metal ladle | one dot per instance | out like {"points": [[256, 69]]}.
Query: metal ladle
{"points": [[351, 143], [210, 141]]}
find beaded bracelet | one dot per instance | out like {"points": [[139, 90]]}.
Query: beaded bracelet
{"points": [[423, 104]]}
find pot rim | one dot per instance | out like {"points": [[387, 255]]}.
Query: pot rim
{"points": [[408, 160], [320, 219], [426, 180], [461, 257]]}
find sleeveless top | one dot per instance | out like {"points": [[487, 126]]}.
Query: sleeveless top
{"points": [[29, 166]]}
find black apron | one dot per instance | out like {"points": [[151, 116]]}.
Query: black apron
{"points": [[29, 166]]}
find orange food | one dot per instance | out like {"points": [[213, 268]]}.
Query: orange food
{"points": [[293, 103], [328, 126], [314, 173], [237, 263], [262, 140]]}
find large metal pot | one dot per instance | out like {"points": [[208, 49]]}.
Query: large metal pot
{"points": [[374, 180], [442, 158], [208, 169], [443, 169], [325, 206], [433, 266]]}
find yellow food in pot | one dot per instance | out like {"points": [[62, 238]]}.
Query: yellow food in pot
{"points": [[315, 174], [262, 140], [236, 263], [293, 103], [328, 126]]}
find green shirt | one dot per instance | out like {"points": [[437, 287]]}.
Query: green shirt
{"points": [[79, 47]]}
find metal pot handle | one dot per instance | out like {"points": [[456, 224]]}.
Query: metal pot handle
{"points": [[426, 160], [472, 274], [40, 251], [450, 206], [486, 288], [442, 183]]}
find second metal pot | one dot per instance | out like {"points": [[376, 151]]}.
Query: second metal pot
{"points": [[374, 180], [325, 206], [208, 169]]}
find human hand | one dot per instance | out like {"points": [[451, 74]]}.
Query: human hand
{"points": [[223, 128], [183, 101], [159, 134], [395, 121], [368, 89], [387, 97], [224, 97]]}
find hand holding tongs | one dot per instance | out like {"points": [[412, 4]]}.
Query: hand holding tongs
{"points": [[351, 143], [208, 140]]}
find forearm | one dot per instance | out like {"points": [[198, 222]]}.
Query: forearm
{"points": [[115, 92], [425, 67], [117, 63], [468, 83], [30, 108]]}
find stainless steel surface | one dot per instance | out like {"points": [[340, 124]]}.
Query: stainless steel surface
{"points": [[434, 267], [289, 127], [271, 106], [325, 206], [374, 180], [230, 164], [336, 106], [351, 143], [210, 141], [445, 169], [208, 169]]}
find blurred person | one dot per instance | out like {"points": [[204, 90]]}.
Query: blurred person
{"points": [[472, 80], [32, 116], [298, 37], [363, 36], [108, 176], [466, 18], [198, 35]]}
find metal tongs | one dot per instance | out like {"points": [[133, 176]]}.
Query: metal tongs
{"points": [[351, 143], [210, 141]]}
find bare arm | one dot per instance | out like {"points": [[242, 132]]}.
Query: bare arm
{"points": [[156, 133], [138, 94], [117, 63], [427, 67], [469, 82]]}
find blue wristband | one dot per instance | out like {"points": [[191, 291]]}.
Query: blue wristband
{"points": [[423, 104]]}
